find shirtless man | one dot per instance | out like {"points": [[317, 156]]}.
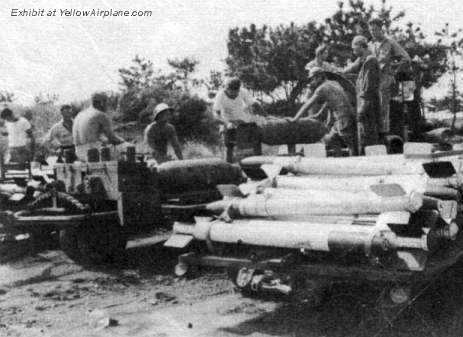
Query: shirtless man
{"points": [[160, 133], [332, 95], [90, 125]]}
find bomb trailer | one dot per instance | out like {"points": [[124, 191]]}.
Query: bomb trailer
{"points": [[96, 206]]}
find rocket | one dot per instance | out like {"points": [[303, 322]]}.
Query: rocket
{"points": [[359, 166], [280, 204], [311, 236], [446, 188]]}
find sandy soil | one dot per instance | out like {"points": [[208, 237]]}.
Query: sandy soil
{"points": [[46, 294]]}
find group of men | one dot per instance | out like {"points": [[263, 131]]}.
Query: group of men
{"points": [[369, 123], [78, 133], [349, 126]]}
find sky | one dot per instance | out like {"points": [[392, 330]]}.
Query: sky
{"points": [[75, 56]]}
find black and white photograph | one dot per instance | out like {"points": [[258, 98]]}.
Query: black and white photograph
{"points": [[231, 168]]}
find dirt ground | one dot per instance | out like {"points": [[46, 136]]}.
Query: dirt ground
{"points": [[43, 293]]}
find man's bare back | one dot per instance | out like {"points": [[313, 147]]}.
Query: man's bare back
{"points": [[89, 125]]}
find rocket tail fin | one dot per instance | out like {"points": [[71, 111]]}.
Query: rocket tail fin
{"points": [[439, 169], [271, 170]]}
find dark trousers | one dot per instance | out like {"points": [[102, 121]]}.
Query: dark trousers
{"points": [[231, 142], [370, 125], [342, 134]]}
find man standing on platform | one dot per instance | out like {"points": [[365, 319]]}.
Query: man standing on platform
{"points": [[386, 50], [369, 119]]}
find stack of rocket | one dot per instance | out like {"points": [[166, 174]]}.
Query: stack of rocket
{"points": [[370, 204]]}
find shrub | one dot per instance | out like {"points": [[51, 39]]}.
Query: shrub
{"points": [[194, 121]]}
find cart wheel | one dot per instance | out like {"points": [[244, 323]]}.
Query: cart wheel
{"points": [[245, 290], [94, 243], [45, 238], [68, 240]]}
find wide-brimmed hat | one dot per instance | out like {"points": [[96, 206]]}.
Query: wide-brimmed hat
{"points": [[161, 107]]}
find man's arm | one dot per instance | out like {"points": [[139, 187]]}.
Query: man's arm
{"points": [[50, 138], [147, 138], [252, 105], [175, 143], [354, 67], [307, 105], [27, 127], [217, 108], [320, 111], [107, 130]]}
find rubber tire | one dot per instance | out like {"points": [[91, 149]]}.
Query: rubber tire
{"points": [[68, 240], [94, 244]]}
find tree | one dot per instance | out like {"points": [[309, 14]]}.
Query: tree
{"points": [[138, 76], [6, 97], [183, 68], [454, 48], [143, 88], [45, 99], [272, 60], [215, 80]]}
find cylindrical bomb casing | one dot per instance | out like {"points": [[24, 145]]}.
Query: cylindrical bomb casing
{"points": [[340, 203], [354, 168], [280, 131], [351, 166], [342, 241], [304, 235], [296, 235], [410, 183], [180, 176], [390, 158]]}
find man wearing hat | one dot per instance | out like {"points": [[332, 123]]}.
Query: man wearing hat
{"points": [[369, 118], [92, 125], [160, 133], [331, 95]]}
